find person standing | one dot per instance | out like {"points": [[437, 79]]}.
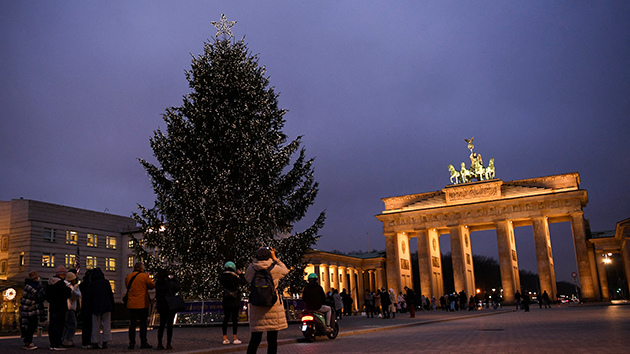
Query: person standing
{"points": [[411, 301], [231, 280], [71, 316], [86, 313], [57, 295], [517, 300], [368, 301], [347, 302], [165, 285], [385, 302], [101, 306], [392, 303], [526, 301], [545, 299], [31, 308], [264, 318], [338, 301], [377, 303], [138, 304]]}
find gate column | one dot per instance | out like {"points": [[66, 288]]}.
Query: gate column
{"points": [[508, 263], [603, 281], [393, 261], [463, 271], [544, 256], [581, 255]]}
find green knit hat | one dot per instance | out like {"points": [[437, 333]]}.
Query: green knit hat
{"points": [[230, 265]]}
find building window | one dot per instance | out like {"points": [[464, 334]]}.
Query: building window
{"points": [[113, 285], [110, 264], [130, 243], [48, 260], [90, 262], [5, 243], [129, 261], [91, 240], [3, 266], [110, 242], [71, 237], [50, 235], [21, 259], [70, 261]]}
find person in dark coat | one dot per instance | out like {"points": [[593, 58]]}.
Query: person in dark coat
{"points": [[101, 305], [347, 302], [315, 299], [57, 295], [165, 285], [411, 301], [231, 280], [385, 302], [86, 312], [31, 308]]}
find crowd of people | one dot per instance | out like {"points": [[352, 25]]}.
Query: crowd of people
{"points": [[93, 299]]}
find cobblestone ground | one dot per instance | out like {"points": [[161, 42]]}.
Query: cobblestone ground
{"points": [[588, 329]]}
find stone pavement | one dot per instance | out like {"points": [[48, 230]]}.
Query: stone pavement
{"points": [[561, 329]]}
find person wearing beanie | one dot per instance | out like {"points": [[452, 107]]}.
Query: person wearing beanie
{"points": [[71, 316], [31, 308], [57, 295], [231, 279], [265, 318]]}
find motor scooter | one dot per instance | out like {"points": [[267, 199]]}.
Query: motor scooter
{"points": [[314, 325]]}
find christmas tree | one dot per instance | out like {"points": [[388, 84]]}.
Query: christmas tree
{"points": [[227, 181]]}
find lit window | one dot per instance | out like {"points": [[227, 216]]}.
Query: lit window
{"points": [[50, 235], [129, 261], [48, 260], [70, 261], [110, 242], [110, 264], [3, 266], [91, 240], [90, 262], [21, 259], [130, 243], [71, 237], [113, 285]]}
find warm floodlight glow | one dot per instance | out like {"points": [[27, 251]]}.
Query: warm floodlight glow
{"points": [[607, 260], [478, 291]]}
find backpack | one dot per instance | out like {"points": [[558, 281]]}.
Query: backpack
{"points": [[263, 291]]}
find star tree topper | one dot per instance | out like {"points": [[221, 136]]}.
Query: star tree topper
{"points": [[224, 27]]}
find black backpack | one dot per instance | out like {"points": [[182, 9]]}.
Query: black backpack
{"points": [[263, 292]]}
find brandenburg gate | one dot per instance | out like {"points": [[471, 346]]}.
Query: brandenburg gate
{"points": [[488, 203]]}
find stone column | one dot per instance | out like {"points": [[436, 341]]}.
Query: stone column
{"points": [[334, 277], [593, 263], [603, 280], [546, 272], [625, 257], [507, 260], [360, 289], [326, 278], [353, 287], [371, 280], [424, 263], [463, 271], [343, 279], [380, 283], [393, 261], [581, 255]]}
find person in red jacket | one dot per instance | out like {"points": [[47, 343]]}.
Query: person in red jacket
{"points": [[138, 304]]}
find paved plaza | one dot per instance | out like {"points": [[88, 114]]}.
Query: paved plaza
{"points": [[562, 329]]}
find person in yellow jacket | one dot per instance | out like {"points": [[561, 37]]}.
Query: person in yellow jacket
{"points": [[138, 284]]}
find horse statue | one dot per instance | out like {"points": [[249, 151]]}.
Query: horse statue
{"points": [[464, 174], [454, 174], [490, 169]]}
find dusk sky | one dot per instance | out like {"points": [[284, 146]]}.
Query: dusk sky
{"points": [[384, 94]]}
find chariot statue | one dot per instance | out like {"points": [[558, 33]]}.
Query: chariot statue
{"points": [[476, 171]]}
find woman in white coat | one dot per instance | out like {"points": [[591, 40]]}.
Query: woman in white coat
{"points": [[265, 318]]}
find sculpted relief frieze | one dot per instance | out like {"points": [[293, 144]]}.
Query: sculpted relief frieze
{"points": [[491, 212]]}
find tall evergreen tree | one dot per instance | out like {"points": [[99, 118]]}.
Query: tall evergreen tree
{"points": [[227, 182]]}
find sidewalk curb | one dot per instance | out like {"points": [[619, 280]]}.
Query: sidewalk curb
{"points": [[242, 347]]}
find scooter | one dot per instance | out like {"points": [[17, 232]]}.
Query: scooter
{"points": [[314, 325]]}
